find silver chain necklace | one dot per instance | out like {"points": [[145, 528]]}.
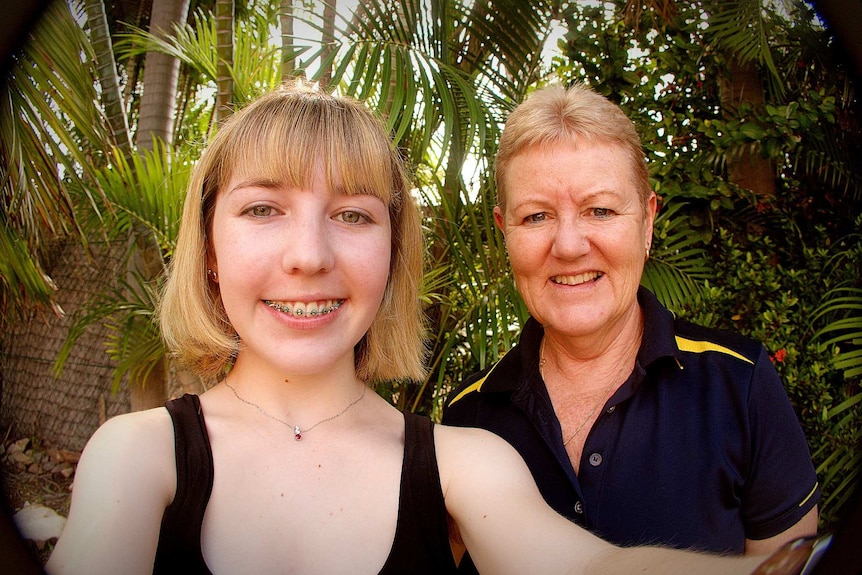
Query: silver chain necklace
{"points": [[297, 432]]}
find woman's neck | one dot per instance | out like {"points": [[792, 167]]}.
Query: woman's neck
{"points": [[591, 363]]}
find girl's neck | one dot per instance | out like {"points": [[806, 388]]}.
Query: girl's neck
{"points": [[277, 388]]}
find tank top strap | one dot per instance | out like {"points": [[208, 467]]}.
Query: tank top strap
{"points": [[179, 548], [422, 535]]}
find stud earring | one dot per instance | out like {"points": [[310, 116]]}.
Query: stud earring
{"points": [[212, 275]]}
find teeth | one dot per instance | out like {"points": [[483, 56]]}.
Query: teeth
{"points": [[576, 280], [306, 309]]}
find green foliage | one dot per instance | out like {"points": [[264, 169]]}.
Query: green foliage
{"points": [[141, 195], [51, 136]]}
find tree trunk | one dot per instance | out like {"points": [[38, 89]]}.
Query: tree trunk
{"points": [[224, 45], [161, 73], [100, 38], [156, 122], [747, 169], [287, 61], [328, 42]]}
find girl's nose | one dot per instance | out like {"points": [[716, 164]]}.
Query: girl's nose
{"points": [[308, 248]]}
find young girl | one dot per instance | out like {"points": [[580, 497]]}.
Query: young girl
{"points": [[294, 285]]}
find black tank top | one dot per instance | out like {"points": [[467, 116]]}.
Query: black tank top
{"points": [[421, 542]]}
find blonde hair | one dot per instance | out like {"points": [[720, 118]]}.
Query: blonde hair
{"points": [[283, 137], [554, 115]]}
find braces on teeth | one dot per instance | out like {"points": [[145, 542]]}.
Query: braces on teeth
{"points": [[299, 312]]}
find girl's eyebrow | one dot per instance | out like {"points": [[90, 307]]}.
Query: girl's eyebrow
{"points": [[253, 183]]}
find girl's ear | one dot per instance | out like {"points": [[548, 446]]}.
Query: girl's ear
{"points": [[212, 266]]}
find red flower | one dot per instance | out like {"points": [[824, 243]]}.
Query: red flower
{"points": [[779, 355]]}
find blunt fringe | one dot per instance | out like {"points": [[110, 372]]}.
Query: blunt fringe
{"points": [[284, 137]]}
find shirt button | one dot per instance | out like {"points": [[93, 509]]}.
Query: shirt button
{"points": [[596, 459], [612, 408], [579, 508]]}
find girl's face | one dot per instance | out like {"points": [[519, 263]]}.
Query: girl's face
{"points": [[302, 272]]}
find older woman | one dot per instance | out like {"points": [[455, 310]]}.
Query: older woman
{"points": [[639, 426]]}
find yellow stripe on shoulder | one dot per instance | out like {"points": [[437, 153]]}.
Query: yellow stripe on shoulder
{"points": [[468, 390], [695, 346]]}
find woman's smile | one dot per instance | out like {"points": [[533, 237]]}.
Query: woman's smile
{"points": [[579, 279]]}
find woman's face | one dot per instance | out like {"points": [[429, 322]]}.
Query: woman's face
{"points": [[576, 233], [302, 272]]}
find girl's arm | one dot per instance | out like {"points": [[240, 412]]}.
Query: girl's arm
{"points": [[124, 481], [508, 528]]}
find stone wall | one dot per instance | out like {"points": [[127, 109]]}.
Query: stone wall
{"points": [[68, 409]]}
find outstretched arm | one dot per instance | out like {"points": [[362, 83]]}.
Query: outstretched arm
{"points": [[125, 479], [508, 527]]}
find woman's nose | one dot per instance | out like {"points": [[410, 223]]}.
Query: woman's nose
{"points": [[570, 239]]}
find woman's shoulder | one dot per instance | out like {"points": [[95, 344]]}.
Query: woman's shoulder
{"points": [[696, 339], [124, 481]]}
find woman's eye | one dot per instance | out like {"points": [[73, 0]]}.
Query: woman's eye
{"points": [[260, 211], [602, 212], [351, 217], [535, 218]]}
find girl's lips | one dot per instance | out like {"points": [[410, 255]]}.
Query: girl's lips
{"points": [[306, 309]]}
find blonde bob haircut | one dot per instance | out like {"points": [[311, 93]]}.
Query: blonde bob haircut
{"points": [[283, 137], [553, 115]]}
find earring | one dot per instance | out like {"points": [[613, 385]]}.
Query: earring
{"points": [[212, 275], [646, 257]]}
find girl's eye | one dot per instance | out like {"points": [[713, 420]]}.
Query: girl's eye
{"points": [[535, 218], [260, 211], [351, 217]]}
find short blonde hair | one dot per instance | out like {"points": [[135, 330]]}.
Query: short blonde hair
{"points": [[282, 136], [554, 114]]}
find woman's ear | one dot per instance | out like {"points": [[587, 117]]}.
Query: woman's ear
{"points": [[498, 220], [649, 216]]}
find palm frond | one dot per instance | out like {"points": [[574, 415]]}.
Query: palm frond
{"points": [[739, 27], [678, 264], [135, 343], [842, 310], [52, 134], [145, 193], [22, 280]]}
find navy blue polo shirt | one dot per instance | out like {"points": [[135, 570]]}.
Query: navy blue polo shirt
{"points": [[699, 448]]}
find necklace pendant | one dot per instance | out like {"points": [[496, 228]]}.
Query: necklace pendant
{"points": [[297, 433]]}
